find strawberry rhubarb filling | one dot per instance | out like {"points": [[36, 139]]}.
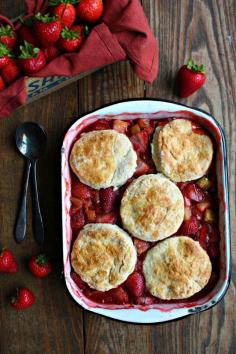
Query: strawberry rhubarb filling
{"points": [[102, 206]]}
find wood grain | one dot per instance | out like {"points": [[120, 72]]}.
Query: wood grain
{"points": [[204, 30]]}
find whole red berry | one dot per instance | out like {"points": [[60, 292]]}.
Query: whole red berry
{"points": [[47, 29], [71, 39], [190, 78], [10, 72], [7, 262], [31, 59], [65, 11], [135, 284], [5, 55], [8, 36], [40, 266], [89, 10], [23, 299]]}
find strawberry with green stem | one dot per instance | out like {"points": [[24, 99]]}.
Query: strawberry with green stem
{"points": [[71, 39], [40, 266], [8, 36], [31, 59], [5, 55], [10, 72], [65, 10], [25, 32], [47, 28], [190, 78]]}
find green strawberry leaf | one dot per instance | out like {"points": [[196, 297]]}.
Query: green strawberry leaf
{"points": [[4, 50], [28, 51], [47, 18], [7, 31], [69, 34], [194, 67], [42, 259]]}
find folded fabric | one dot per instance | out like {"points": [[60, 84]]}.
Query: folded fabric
{"points": [[123, 34]]}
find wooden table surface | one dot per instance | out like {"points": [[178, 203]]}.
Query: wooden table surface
{"points": [[204, 30]]}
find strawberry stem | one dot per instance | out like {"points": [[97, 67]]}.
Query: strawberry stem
{"points": [[47, 18], [69, 34], [42, 259], [7, 31], [194, 67], [58, 2], [28, 51], [4, 50]]}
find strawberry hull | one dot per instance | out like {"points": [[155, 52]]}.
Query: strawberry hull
{"points": [[147, 309]]}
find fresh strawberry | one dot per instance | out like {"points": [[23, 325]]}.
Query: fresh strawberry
{"points": [[10, 72], [120, 126], [140, 141], [142, 168], [2, 84], [81, 191], [194, 192], [78, 281], [89, 10], [7, 262], [31, 59], [51, 52], [40, 266], [141, 246], [23, 299], [119, 296], [26, 34], [109, 218], [8, 36], [108, 199], [190, 78], [71, 39], [78, 220], [101, 124], [47, 28], [64, 10], [189, 227], [135, 284], [5, 55]]}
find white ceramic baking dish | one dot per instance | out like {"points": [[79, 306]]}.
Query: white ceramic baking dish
{"points": [[151, 109]]}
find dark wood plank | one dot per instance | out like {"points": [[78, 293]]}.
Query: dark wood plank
{"points": [[203, 31], [54, 324]]}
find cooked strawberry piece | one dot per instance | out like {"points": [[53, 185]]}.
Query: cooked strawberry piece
{"points": [[101, 124], [187, 213], [100, 297], [139, 265], [190, 227], [95, 196], [141, 246], [142, 168], [78, 281], [78, 220], [81, 191], [208, 233], [135, 129], [119, 296], [140, 142], [181, 185], [145, 300], [108, 199], [91, 214], [135, 284], [120, 126], [194, 192], [76, 202], [109, 218], [203, 205], [187, 202], [143, 123], [196, 212]]}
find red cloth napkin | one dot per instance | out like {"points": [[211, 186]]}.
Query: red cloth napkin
{"points": [[123, 34]]}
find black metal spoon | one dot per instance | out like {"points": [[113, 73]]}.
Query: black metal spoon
{"points": [[31, 141]]}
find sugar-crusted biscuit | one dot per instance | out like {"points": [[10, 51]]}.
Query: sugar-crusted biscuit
{"points": [[152, 208], [103, 255], [103, 159], [176, 268], [180, 153]]}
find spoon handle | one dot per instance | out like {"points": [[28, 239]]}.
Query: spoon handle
{"points": [[37, 217], [20, 227]]}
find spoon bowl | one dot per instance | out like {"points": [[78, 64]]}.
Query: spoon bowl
{"points": [[31, 140]]}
